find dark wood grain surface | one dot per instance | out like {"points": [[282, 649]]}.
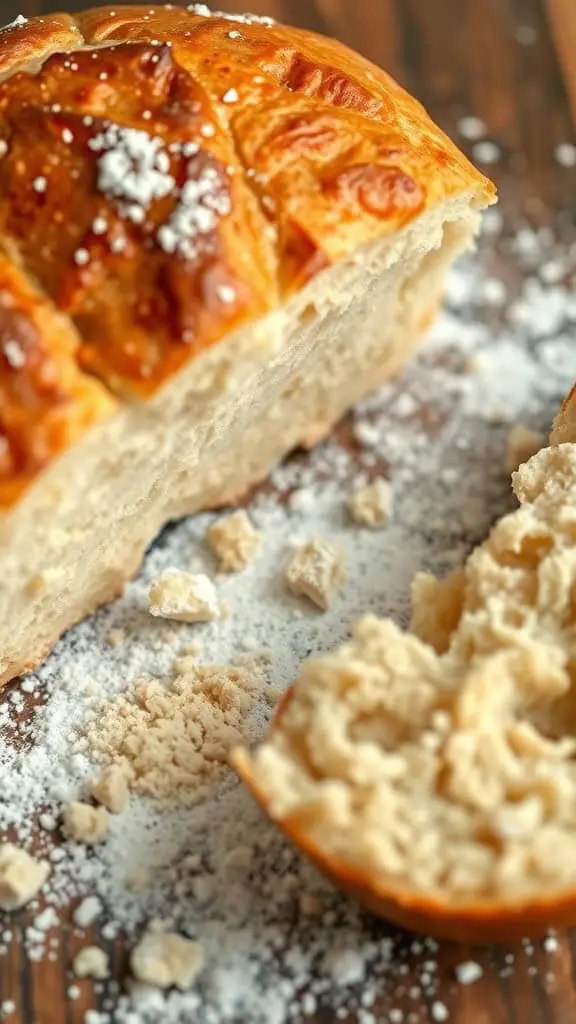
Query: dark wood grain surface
{"points": [[495, 59]]}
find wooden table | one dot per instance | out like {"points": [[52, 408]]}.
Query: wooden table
{"points": [[495, 59]]}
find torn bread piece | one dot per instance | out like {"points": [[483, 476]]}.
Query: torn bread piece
{"points": [[91, 962], [436, 781], [112, 788], [165, 959], [21, 876], [234, 541], [317, 571], [184, 597], [85, 824], [371, 505]]}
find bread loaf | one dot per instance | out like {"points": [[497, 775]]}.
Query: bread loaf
{"points": [[216, 234]]}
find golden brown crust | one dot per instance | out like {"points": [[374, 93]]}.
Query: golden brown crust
{"points": [[564, 427], [46, 403], [102, 245], [26, 43], [479, 921], [189, 172]]}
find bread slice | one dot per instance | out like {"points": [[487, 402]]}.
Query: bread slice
{"points": [[225, 234], [436, 781]]}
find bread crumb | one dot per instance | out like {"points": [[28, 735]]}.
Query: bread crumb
{"points": [[85, 824], [371, 505], [310, 905], [316, 571], [192, 650], [174, 738], [181, 596], [87, 912], [138, 879], [234, 541], [521, 445], [203, 888], [21, 876], [473, 364], [164, 959], [367, 434], [111, 788], [116, 637], [91, 962]]}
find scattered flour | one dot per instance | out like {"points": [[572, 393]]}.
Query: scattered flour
{"points": [[468, 972], [198, 856]]}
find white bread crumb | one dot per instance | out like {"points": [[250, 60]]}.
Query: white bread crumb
{"points": [[164, 959], [116, 637], [111, 789], [234, 541], [371, 505], [21, 876], [87, 912], [192, 650], [310, 905], [473, 363], [316, 571], [91, 962], [521, 445], [181, 596], [85, 824], [138, 879]]}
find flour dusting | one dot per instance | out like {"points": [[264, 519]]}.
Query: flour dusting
{"points": [[278, 942]]}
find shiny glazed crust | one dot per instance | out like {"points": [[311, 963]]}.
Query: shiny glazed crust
{"points": [[256, 156]]}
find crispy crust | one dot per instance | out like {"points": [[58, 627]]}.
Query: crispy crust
{"points": [[300, 164], [480, 921], [46, 402], [564, 428]]}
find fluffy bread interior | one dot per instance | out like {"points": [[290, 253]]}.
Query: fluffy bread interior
{"points": [[215, 429], [446, 769]]}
